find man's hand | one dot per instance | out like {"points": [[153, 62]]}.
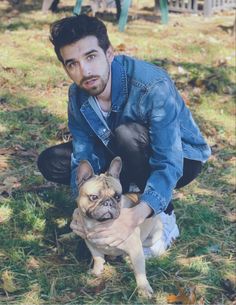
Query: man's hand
{"points": [[115, 232], [77, 224]]}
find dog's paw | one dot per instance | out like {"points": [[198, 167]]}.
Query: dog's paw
{"points": [[145, 292], [96, 271]]}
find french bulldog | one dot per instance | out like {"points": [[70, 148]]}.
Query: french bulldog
{"points": [[100, 199]]}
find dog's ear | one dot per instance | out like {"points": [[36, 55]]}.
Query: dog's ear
{"points": [[84, 172], [115, 167]]}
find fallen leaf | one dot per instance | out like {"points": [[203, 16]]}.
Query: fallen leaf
{"points": [[28, 153], [9, 184], [178, 195], [94, 285], [32, 263], [3, 162], [186, 295], [185, 97], [6, 151], [181, 70], [18, 147], [201, 301], [121, 47], [5, 213], [8, 284], [231, 216]]}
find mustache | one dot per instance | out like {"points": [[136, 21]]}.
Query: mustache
{"points": [[85, 79]]}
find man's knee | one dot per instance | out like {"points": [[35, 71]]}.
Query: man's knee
{"points": [[45, 162], [55, 163], [132, 135]]}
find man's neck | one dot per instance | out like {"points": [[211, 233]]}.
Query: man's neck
{"points": [[104, 98]]}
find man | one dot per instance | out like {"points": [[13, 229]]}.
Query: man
{"points": [[122, 106]]}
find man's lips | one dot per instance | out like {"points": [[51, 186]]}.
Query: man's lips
{"points": [[89, 82]]}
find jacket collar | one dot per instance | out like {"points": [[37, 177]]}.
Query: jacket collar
{"points": [[119, 88]]}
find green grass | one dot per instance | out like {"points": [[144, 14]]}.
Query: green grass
{"points": [[33, 102]]}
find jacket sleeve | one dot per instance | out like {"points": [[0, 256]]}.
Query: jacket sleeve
{"points": [[162, 107]]}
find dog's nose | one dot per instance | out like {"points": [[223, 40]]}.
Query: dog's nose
{"points": [[108, 203]]}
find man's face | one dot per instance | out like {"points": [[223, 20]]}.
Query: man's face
{"points": [[87, 65]]}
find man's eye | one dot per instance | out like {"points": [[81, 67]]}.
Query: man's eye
{"points": [[71, 65], [93, 197], [90, 57]]}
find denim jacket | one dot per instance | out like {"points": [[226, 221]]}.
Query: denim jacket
{"points": [[142, 93]]}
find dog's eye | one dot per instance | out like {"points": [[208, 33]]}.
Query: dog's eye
{"points": [[117, 196], [93, 197]]}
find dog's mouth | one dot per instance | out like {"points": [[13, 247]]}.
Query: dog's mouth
{"points": [[103, 216], [106, 216]]}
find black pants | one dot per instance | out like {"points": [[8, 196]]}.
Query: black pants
{"points": [[131, 143]]}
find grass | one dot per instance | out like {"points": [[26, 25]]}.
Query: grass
{"points": [[40, 269]]}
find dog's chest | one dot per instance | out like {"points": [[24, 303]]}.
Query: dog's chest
{"points": [[107, 250]]}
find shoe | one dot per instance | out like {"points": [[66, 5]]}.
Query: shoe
{"points": [[170, 232]]}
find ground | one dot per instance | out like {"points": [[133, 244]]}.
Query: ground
{"points": [[36, 267]]}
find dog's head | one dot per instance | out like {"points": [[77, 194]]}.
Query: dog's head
{"points": [[100, 196]]}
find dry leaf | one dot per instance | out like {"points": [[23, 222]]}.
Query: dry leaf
{"points": [[121, 47], [186, 295], [3, 162], [231, 216], [8, 282], [185, 97], [6, 151], [62, 126], [201, 301], [9, 184], [32, 263], [28, 153], [5, 213], [95, 285]]}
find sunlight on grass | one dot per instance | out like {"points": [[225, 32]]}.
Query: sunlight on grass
{"points": [[5, 213], [218, 115], [32, 297], [200, 265]]}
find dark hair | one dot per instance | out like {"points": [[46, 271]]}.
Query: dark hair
{"points": [[71, 29]]}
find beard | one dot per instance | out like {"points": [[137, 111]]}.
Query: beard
{"points": [[100, 82]]}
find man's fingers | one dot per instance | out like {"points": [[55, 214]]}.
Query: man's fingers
{"points": [[97, 234], [100, 241], [115, 243], [99, 230]]}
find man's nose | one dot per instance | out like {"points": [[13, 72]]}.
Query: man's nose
{"points": [[85, 70]]}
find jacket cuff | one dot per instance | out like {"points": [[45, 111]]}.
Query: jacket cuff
{"points": [[157, 203]]}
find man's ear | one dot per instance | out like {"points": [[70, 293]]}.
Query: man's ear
{"points": [[84, 172], [110, 54], [115, 168]]}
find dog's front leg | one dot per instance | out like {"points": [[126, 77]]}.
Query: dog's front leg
{"points": [[135, 252], [98, 260]]}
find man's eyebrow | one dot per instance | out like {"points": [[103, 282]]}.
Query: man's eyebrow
{"points": [[68, 61], [90, 52]]}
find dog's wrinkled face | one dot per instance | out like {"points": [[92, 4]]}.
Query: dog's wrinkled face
{"points": [[100, 196]]}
